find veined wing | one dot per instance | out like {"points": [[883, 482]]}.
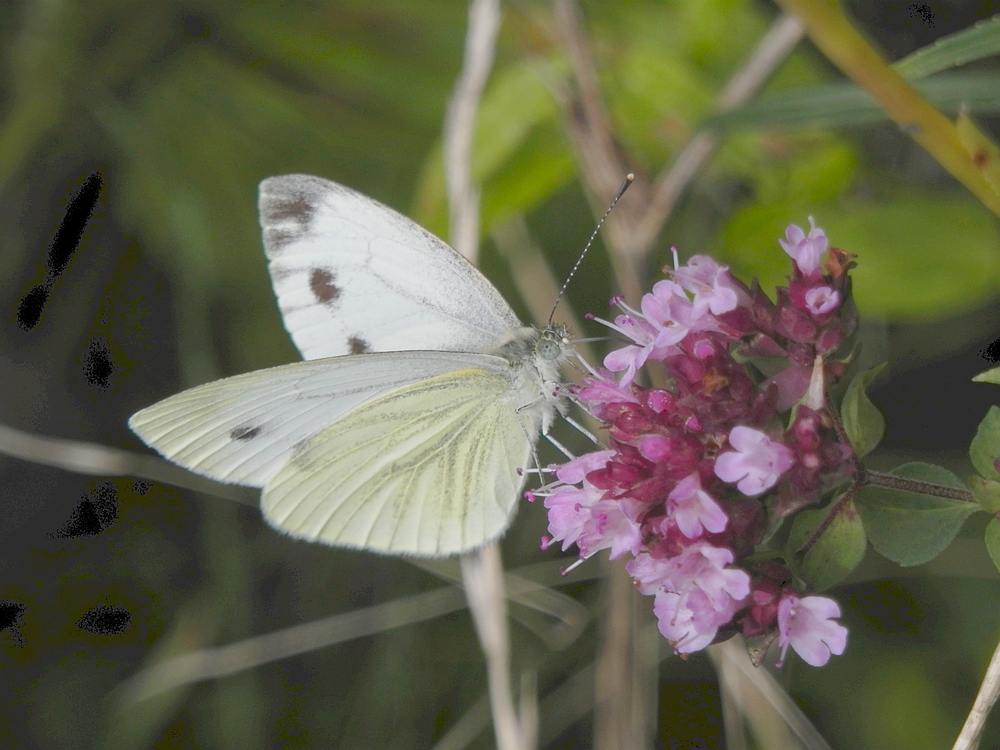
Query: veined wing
{"points": [[428, 469], [352, 275], [243, 429]]}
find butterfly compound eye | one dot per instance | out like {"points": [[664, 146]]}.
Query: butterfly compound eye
{"points": [[548, 348]]}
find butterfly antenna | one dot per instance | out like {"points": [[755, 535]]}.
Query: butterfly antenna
{"points": [[621, 191]]}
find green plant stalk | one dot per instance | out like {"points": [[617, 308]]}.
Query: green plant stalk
{"points": [[845, 47], [879, 479]]}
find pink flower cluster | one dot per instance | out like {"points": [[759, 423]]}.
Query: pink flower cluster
{"points": [[700, 464]]}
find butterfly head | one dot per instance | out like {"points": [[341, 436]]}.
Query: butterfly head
{"points": [[535, 356], [545, 350], [553, 344]]}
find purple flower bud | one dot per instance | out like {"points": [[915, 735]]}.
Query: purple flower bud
{"points": [[830, 338], [806, 429], [661, 402], [796, 325], [656, 447], [763, 613], [791, 383]]}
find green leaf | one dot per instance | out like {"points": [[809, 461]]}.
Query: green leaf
{"points": [[863, 422], [835, 552], [974, 43], [812, 176], [987, 493], [539, 169], [840, 104], [911, 528], [836, 105], [985, 448], [902, 270], [990, 376], [655, 84], [520, 155], [992, 539], [516, 102]]}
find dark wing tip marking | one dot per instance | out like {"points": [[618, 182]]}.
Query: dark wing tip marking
{"points": [[291, 208], [287, 208], [244, 433], [276, 239], [321, 283], [358, 345]]}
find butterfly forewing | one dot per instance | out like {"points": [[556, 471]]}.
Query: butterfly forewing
{"points": [[353, 276], [412, 449], [429, 469]]}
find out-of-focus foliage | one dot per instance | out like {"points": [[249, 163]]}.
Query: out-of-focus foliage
{"points": [[184, 105], [920, 255]]}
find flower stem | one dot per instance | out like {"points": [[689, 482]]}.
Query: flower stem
{"points": [[842, 502], [879, 479], [989, 691]]}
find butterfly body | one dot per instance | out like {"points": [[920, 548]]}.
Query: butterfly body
{"points": [[420, 401]]}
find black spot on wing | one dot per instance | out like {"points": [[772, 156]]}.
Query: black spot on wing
{"points": [[357, 345], [244, 433], [323, 286]]}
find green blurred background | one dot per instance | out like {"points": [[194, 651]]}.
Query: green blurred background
{"points": [[184, 106]]}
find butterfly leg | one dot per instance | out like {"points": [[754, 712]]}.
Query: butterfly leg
{"points": [[527, 436]]}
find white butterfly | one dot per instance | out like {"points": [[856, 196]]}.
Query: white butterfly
{"points": [[421, 398]]}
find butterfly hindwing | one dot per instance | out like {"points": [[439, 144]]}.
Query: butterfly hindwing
{"points": [[428, 469], [352, 276], [243, 429]]}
